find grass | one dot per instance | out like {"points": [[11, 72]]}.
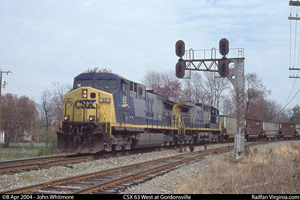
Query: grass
{"points": [[18, 152], [263, 171], [19, 148]]}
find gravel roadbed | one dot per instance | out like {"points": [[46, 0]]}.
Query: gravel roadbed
{"points": [[161, 184]]}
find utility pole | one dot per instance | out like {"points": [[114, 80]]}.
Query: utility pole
{"points": [[294, 3], [1, 72], [235, 74]]}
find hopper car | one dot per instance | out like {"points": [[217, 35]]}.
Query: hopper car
{"points": [[259, 130]]}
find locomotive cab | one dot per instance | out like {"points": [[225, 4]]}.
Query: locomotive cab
{"points": [[88, 113]]}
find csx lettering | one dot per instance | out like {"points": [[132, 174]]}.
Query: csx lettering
{"points": [[128, 197], [85, 104], [131, 196]]}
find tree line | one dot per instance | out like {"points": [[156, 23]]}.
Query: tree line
{"points": [[211, 90], [22, 114]]}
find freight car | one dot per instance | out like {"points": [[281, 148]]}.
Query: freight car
{"points": [[229, 127], [253, 129], [106, 112], [259, 130], [271, 130], [288, 131]]}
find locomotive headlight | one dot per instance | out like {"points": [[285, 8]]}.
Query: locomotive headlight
{"points": [[104, 100], [91, 118], [67, 118], [84, 93]]}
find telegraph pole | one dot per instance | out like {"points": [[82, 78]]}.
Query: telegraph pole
{"points": [[294, 3], [1, 72], [235, 74]]}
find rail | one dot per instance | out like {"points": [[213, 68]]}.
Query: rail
{"points": [[130, 173]]}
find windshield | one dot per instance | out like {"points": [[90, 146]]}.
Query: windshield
{"points": [[81, 83], [106, 84]]}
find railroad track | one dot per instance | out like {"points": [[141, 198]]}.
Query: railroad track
{"points": [[41, 162], [111, 180], [49, 161]]}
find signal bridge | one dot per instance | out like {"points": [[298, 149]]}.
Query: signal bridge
{"points": [[207, 59], [232, 68]]}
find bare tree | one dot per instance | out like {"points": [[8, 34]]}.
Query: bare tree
{"points": [[96, 69], [214, 87], [256, 102], [52, 102], [229, 103], [47, 109], [254, 91], [152, 78], [58, 99], [51, 110], [164, 83], [193, 89]]}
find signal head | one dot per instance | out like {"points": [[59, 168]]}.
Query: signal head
{"points": [[223, 68], [180, 69], [180, 48], [224, 47]]}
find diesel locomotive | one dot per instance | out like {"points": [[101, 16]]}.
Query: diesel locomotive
{"points": [[106, 112]]}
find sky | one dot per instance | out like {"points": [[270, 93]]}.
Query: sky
{"points": [[48, 41]]}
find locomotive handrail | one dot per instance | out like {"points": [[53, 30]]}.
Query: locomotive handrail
{"points": [[182, 125], [105, 112]]}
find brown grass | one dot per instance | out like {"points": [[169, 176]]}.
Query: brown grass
{"points": [[275, 171]]}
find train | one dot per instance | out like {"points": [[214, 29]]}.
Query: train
{"points": [[260, 130], [106, 112]]}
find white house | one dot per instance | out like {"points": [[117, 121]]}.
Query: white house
{"points": [[2, 134]]}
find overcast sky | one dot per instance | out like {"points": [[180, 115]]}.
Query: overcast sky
{"points": [[52, 41]]}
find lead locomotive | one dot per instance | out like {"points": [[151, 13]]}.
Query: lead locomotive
{"points": [[105, 112]]}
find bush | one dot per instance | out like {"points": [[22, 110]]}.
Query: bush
{"points": [[51, 149], [51, 143]]}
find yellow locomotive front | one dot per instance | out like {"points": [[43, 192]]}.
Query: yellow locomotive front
{"points": [[88, 115]]}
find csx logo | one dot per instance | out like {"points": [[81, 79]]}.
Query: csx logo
{"points": [[85, 104]]}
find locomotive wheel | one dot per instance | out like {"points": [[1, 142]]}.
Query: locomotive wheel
{"points": [[127, 146], [116, 147]]}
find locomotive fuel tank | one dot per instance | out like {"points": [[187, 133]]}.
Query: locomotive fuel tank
{"points": [[144, 140]]}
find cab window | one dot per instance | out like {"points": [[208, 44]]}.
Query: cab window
{"points": [[81, 83], [123, 86], [106, 84]]}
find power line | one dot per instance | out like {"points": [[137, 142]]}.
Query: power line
{"points": [[1, 72], [30, 90], [286, 105]]}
